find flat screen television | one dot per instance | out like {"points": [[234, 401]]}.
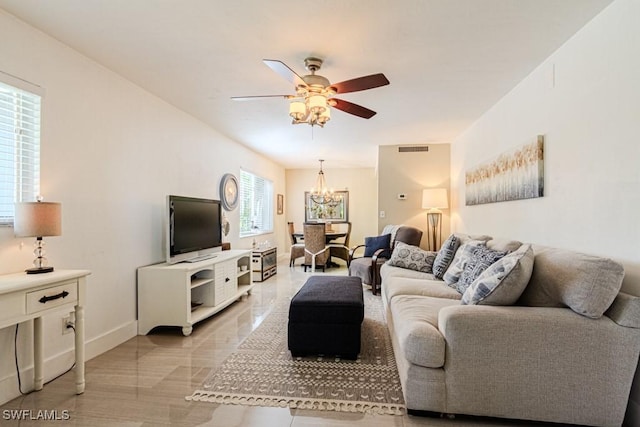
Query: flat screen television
{"points": [[193, 228]]}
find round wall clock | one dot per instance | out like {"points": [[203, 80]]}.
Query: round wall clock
{"points": [[229, 191]]}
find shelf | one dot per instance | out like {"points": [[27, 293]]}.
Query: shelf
{"points": [[195, 282]]}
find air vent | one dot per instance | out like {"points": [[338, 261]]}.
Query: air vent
{"points": [[413, 148]]}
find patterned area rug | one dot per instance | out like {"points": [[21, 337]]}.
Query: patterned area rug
{"points": [[262, 371]]}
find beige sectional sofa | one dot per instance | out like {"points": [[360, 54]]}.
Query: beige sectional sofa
{"points": [[562, 347]]}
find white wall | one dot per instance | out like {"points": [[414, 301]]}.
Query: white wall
{"points": [[585, 100], [111, 152]]}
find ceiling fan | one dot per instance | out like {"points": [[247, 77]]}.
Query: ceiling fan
{"points": [[315, 94]]}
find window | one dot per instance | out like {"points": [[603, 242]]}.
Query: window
{"points": [[256, 205], [19, 148]]}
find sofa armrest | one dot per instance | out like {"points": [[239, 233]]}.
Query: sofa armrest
{"points": [[625, 310], [539, 362]]}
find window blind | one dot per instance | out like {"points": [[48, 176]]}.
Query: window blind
{"points": [[256, 204], [19, 149]]}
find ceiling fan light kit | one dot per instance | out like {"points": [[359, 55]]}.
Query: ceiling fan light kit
{"points": [[315, 94]]}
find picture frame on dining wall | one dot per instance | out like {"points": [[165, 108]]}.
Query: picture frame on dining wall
{"points": [[513, 175], [335, 211]]}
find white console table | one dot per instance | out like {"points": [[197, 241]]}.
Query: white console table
{"points": [[185, 293], [30, 296]]}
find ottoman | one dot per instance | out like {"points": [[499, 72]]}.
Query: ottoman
{"points": [[325, 317]]}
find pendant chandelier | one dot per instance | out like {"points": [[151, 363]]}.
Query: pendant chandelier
{"points": [[321, 195]]}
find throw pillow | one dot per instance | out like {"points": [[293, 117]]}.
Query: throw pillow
{"points": [[504, 281], [412, 258], [463, 255], [445, 256], [372, 244], [481, 258]]}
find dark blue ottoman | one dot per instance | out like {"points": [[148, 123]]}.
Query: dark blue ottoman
{"points": [[325, 317]]}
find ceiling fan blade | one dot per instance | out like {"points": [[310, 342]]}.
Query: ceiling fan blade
{"points": [[284, 71], [251, 98], [351, 108], [361, 83]]}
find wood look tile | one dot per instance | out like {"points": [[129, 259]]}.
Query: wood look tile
{"points": [[143, 381]]}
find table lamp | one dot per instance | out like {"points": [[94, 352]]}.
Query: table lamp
{"points": [[434, 199], [38, 219]]}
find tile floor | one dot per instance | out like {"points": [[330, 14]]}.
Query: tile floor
{"points": [[143, 381]]}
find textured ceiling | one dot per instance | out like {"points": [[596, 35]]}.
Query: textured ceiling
{"points": [[448, 61]]}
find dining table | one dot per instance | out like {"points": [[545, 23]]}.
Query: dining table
{"points": [[329, 235]]}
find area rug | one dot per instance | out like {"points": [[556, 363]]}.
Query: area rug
{"points": [[262, 371]]}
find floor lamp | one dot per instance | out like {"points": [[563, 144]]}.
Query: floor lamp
{"points": [[434, 199]]}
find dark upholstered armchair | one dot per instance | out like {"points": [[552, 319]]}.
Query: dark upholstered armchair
{"points": [[376, 252]]}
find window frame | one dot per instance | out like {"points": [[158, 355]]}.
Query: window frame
{"points": [[266, 222], [21, 166]]}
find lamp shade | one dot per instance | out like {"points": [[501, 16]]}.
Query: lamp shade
{"points": [[38, 219], [434, 198]]}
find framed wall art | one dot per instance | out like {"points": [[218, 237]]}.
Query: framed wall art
{"points": [[513, 175], [335, 210], [280, 204]]}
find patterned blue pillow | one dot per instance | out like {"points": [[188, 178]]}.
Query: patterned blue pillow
{"points": [[372, 244], [445, 256], [481, 258], [504, 281], [460, 260], [412, 258]]}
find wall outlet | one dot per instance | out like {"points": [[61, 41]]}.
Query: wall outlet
{"points": [[66, 321], [382, 214]]}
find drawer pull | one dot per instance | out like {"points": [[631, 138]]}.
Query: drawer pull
{"points": [[46, 299], [226, 279]]}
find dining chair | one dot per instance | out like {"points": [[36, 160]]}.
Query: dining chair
{"points": [[376, 252], [297, 248], [341, 249], [316, 251]]}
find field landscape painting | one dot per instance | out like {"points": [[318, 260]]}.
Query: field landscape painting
{"points": [[513, 175]]}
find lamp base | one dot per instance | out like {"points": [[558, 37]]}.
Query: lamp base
{"points": [[38, 270]]}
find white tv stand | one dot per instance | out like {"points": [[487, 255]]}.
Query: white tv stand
{"points": [[185, 293]]}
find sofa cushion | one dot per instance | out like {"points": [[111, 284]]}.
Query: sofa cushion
{"points": [[445, 256], [372, 244], [482, 257], [466, 238], [503, 245], [415, 321], [387, 271], [502, 282], [412, 258], [397, 286], [463, 255], [585, 283]]}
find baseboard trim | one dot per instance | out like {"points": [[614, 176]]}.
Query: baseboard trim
{"points": [[58, 363]]}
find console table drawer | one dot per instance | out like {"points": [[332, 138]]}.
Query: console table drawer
{"points": [[54, 296]]}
